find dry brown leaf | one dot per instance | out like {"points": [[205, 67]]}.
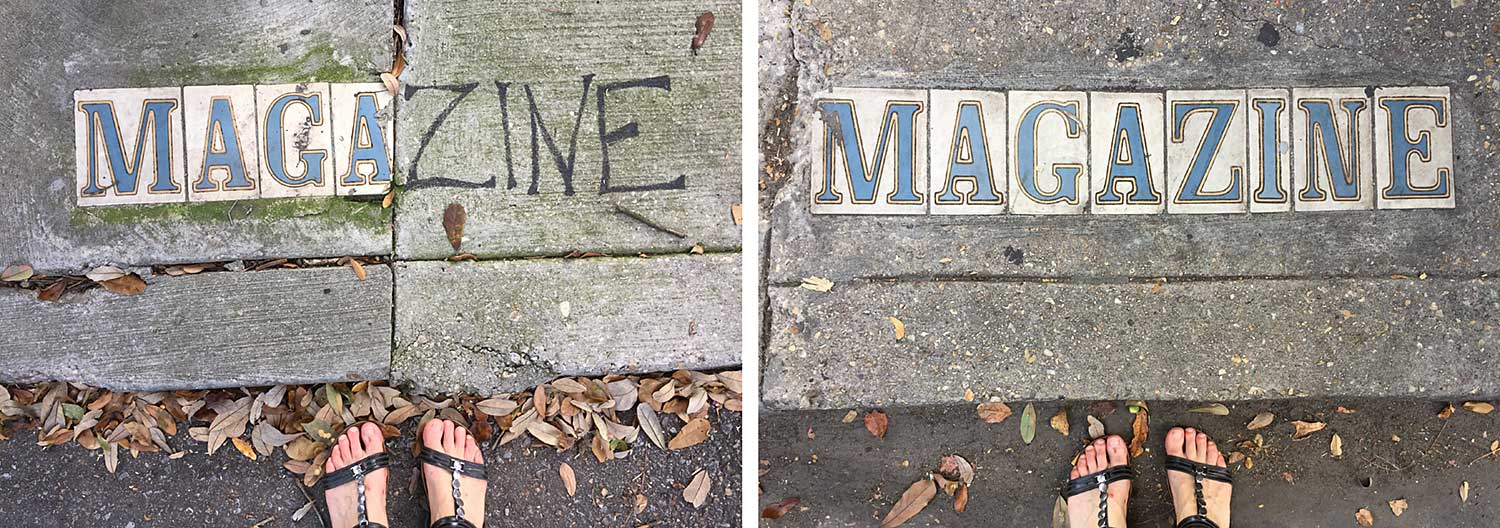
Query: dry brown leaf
{"points": [[912, 502], [1139, 429], [1059, 421], [1336, 447], [817, 284], [694, 433], [16, 273], [640, 503], [1261, 420], [1398, 506], [776, 511], [851, 416], [392, 84], [696, 492], [1096, 428], [876, 422], [962, 500], [900, 328], [105, 273], [570, 482], [1365, 518], [1479, 407], [453, 224], [500, 406], [1463, 492], [243, 447], [993, 412], [1446, 413], [651, 424], [737, 212], [1305, 429], [359, 269], [701, 28], [1216, 409], [125, 285]]}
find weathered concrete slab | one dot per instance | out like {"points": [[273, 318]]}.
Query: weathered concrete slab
{"points": [[515, 109], [1157, 46], [505, 325], [221, 329], [1248, 339], [54, 48]]}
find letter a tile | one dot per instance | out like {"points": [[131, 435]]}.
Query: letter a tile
{"points": [[128, 145], [1270, 150], [296, 144], [1128, 173], [1049, 152], [223, 146], [1206, 152], [1333, 151], [1414, 148], [362, 138], [872, 152], [968, 153]]}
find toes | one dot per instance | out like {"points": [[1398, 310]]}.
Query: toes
{"points": [[1202, 442], [1211, 455], [1073, 474], [1190, 444], [1115, 451], [356, 444], [448, 439], [1101, 457], [1175, 437], [432, 434], [372, 436], [335, 461], [472, 453], [1086, 462], [1080, 466], [461, 440]]}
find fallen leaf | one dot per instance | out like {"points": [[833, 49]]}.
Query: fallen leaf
{"points": [[694, 433], [912, 502], [1305, 429], [776, 511], [817, 284], [993, 412], [1059, 421], [962, 500], [900, 328], [104, 273], [392, 84], [302, 512], [501, 406], [243, 447], [52, 292], [1398, 506], [1139, 429], [1365, 518], [1479, 407], [1217, 409], [1261, 420], [876, 422], [696, 491], [737, 212], [1463, 492], [125, 285], [850, 416], [359, 269], [1096, 428], [1446, 412], [1028, 423], [1060, 512], [640, 503], [16, 273], [453, 224], [650, 424], [570, 482], [701, 29], [1336, 446]]}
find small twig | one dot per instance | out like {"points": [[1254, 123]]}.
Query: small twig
{"points": [[1491, 452], [309, 498], [642, 219], [1439, 435]]}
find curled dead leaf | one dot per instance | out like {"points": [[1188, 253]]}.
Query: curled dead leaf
{"points": [[1216, 409], [1139, 429], [1478, 407], [993, 412], [912, 502], [1305, 429], [1365, 518], [1336, 446], [453, 224], [1096, 428], [701, 28], [776, 511], [900, 328], [570, 481], [817, 284], [1059, 421], [1261, 420], [876, 422], [696, 492], [694, 433], [1398, 506]]}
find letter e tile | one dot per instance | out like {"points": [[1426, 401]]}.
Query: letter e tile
{"points": [[128, 146], [1414, 148], [296, 144]]}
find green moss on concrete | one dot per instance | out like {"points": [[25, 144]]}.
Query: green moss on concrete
{"points": [[319, 63], [335, 211]]}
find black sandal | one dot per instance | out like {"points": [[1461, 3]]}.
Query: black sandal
{"points": [[1098, 482], [460, 468], [1199, 472], [356, 473]]}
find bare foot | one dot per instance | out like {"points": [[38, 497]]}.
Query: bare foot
{"points": [[343, 502], [1195, 446], [449, 439], [1083, 509]]}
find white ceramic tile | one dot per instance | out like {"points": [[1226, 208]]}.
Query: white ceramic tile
{"points": [[114, 164], [223, 147], [1127, 160], [1337, 121], [362, 117], [1206, 152], [890, 182], [296, 144], [1414, 124], [1049, 150], [1270, 150], [967, 146]]}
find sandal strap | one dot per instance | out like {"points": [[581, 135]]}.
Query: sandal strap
{"points": [[1091, 481], [454, 521], [367, 524], [352, 472], [1197, 521], [448, 463], [1193, 468]]}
